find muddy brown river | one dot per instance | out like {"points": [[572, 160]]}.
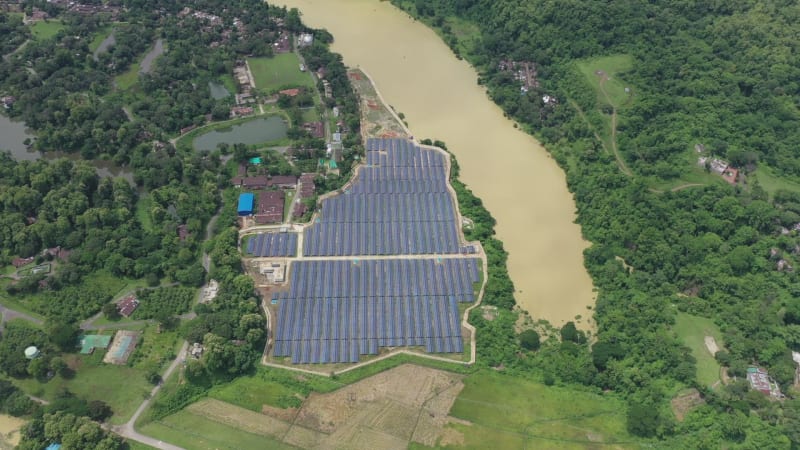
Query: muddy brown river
{"points": [[520, 184]]}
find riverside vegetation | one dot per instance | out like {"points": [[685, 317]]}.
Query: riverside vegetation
{"points": [[696, 74]]}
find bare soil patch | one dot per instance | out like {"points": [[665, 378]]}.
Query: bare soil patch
{"points": [[682, 404], [711, 345]]}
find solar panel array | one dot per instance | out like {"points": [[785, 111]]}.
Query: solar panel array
{"points": [[273, 244], [398, 204], [336, 311]]}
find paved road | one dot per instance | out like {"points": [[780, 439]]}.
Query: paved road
{"points": [[10, 314], [127, 430]]}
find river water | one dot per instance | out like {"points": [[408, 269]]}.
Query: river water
{"points": [[520, 184]]}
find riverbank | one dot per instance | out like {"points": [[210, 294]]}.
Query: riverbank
{"points": [[518, 181]]}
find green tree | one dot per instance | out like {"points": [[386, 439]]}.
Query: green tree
{"points": [[529, 339]]}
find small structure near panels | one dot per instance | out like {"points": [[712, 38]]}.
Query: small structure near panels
{"points": [[89, 342], [121, 347]]}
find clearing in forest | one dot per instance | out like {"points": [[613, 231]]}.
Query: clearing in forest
{"points": [[701, 335]]}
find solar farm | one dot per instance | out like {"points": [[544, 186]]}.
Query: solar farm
{"points": [[382, 264]]}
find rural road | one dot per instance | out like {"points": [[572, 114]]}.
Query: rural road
{"points": [[10, 314], [127, 430]]}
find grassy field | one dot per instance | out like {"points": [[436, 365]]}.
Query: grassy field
{"points": [[279, 72], [515, 413], [122, 387], [143, 212], [46, 29], [128, 78], [194, 432], [613, 86], [274, 387], [133, 445], [771, 182], [252, 393], [692, 331]]}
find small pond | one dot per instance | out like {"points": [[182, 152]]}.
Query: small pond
{"points": [[251, 132], [150, 57]]}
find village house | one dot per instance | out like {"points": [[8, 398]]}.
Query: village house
{"points": [[258, 182], [283, 181], [307, 186], [8, 101], [316, 129], [270, 207], [241, 111], [290, 92], [128, 305]]}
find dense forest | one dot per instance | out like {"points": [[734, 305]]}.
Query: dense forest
{"points": [[720, 74]]}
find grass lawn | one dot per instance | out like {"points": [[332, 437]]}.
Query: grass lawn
{"points": [[279, 72], [614, 87], [771, 182], [122, 387], [310, 115], [143, 212], [194, 432], [287, 204], [269, 386], [128, 78], [515, 413], [46, 29], [692, 330]]}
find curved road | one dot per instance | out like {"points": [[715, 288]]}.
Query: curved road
{"points": [[10, 314], [127, 430]]}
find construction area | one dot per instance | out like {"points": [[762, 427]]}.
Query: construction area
{"points": [[391, 410]]}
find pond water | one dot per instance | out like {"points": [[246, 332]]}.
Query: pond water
{"points": [[519, 182], [218, 91], [254, 131], [107, 42], [147, 63], [12, 138]]}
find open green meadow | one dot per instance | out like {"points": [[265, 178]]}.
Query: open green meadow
{"points": [[134, 445], [603, 74], [121, 387], [771, 182], [504, 412], [128, 78], [692, 330], [279, 72], [198, 433], [143, 212], [46, 29]]}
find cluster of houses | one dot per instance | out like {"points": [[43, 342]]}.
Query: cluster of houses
{"points": [[88, 9], [212, 20], [305, 189], [761, 381]]}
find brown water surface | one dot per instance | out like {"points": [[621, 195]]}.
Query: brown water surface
{"points": [[519, 183]]}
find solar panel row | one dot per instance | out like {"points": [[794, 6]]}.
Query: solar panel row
{"points": [[423, 207], [340, 330], [272, 244], [399, 204], [403, 238], [450, 278]]}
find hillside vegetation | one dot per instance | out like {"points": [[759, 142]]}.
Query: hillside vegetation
{"points": [[719, 74]]}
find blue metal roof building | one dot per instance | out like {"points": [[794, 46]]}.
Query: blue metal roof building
{"points": [[247, 202], [53, 447]]}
